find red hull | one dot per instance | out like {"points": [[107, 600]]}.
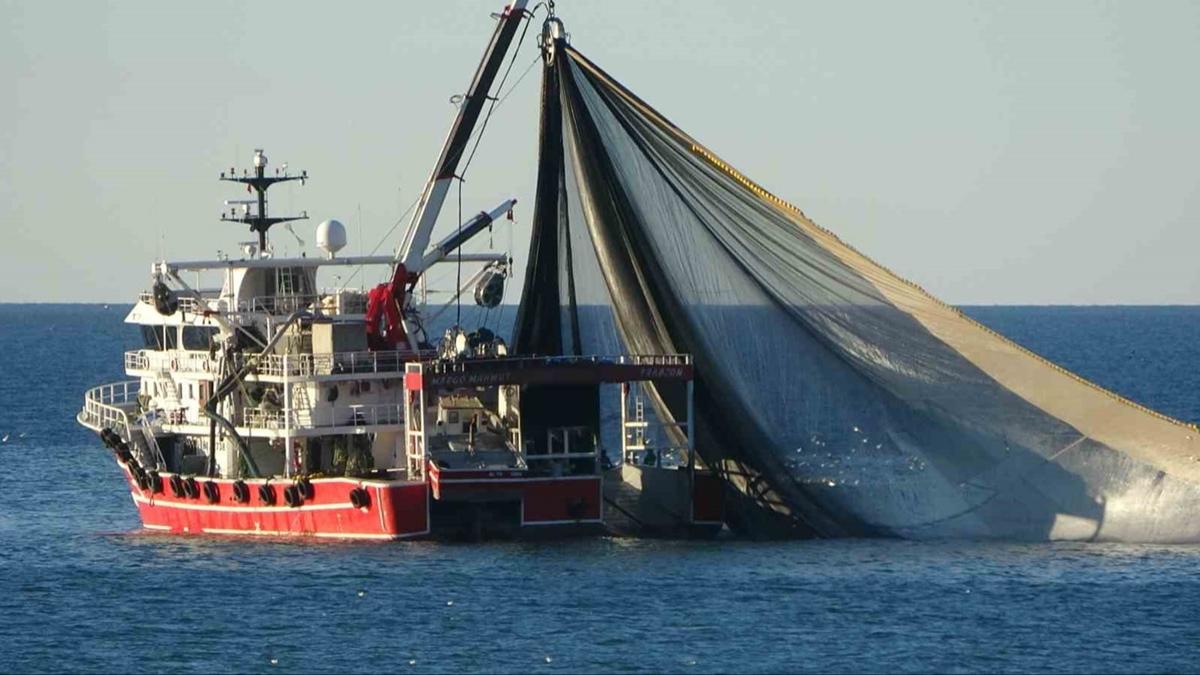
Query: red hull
{"points": [[396, 510], [564, 500]]}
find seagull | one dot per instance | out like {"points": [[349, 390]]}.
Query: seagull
{"points": [[5, 439]]}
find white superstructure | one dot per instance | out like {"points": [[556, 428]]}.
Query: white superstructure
{"points": [[250, 367]]}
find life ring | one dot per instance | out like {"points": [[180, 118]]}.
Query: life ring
{"points": [[241, 493], [212, 492], [360, 498], [174, 364], [266, 494], [176, 484], [155, 482], [190, 488], [292, 496], [204, 365]]}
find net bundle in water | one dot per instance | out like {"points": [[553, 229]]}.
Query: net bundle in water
{"points": [[835, 398]]}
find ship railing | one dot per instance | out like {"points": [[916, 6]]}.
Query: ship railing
{"points": [[340, 363], [343, 301], [298, 365], [173, 360], [656, 359], [186, 302], [137, 360], [108, 406], [517, 363], [368, 362], [645, 451], [330, 302], [257, 418], [179, 416], [359, 415], [278, 304]]}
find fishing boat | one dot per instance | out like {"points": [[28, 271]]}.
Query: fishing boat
{"points": [[263, 403], [756, 372]]}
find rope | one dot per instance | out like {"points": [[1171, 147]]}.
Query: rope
{"points": [[504, 293], [382, 239], [492, 106], [461, 177], [536, 60], [479, 139], [458, 273]]}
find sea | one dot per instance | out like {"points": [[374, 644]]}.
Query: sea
{"points": [[83, 589]]}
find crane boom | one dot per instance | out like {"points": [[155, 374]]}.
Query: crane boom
{"points": [[416, 240]]}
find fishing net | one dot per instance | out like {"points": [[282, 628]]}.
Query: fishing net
{"points": [[835, 398]]}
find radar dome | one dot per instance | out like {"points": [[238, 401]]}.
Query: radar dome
{"points": [[331, 237]]}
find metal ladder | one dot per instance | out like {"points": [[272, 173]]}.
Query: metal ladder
{"points": [[151, 441], [301, 412], [635, 429], [285, 287]]}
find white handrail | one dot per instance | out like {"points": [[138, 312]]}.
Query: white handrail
{"points": [[298, 365], [359, 415], [186, 303], [102, 406], [368, 362], [171, 360], [340, 363], [511, 362], [331, 303]]}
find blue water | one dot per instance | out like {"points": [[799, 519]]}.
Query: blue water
{"points": [[82, 589]]}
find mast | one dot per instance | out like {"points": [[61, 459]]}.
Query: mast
{"points": [[259, 183], [416, 240]]}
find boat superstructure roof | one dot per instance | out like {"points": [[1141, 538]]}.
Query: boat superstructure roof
{"points": [[303, 261], [231, 297]]}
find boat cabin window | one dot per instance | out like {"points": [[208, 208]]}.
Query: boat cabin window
{"points": [[160, 337], [198, 337]]}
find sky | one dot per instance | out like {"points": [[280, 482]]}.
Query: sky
{"points": [[1024, 152]]}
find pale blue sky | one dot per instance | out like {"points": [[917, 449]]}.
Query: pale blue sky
{"points": [[1015, 152]]}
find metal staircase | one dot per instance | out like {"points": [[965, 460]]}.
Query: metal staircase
{"points": [[151, 442]]}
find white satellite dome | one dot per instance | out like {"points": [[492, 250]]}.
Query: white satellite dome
{"points": [[331, 237]]}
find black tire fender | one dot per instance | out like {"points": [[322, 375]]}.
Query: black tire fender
{"points": [[360, 498], [241, 492], [292, 496]]}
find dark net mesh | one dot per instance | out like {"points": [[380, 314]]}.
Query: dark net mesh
{"points": [[834, 397]]}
